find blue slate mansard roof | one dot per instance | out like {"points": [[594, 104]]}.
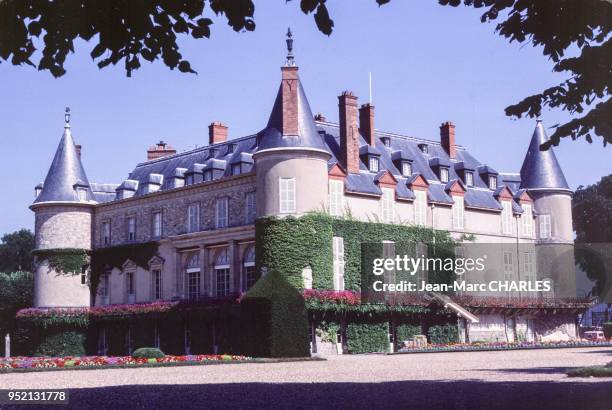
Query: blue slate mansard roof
{"points": [[541, 170], [65, 173]]}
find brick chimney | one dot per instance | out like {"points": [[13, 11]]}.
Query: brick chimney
{"points": [[366, 123], [349, 133], [217, 132], [447, 138], [78, 147], [290, 99], [161, 149]]}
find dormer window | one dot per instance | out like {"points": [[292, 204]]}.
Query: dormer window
{"points": [[81, 194], [236, 169], [386, 141], [208, 175], [469, 178], [406, 168], [424, 148], [231, 148], [189, 179], [37, 190], [443, 174], [373, 164], [492, 182]]}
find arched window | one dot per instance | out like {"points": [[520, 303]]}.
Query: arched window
{"points": [[222, 273], [192, 271], [248, 268]]}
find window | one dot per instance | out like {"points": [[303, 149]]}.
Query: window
{"points": [[131, 228], [508, 266], [193, 276], [156, 277], [81, 194], [406, 168], [251, 208], [179, 182], [287, 195], [528, 266], [506, 217], [222, 273], [386, 141], [458, 212], [307, 277], [387, 202], [129, 286], [248, 265], [104, 286], [469, 178], [222, 214], [338, 254], [157, 224], [106, 232], [424, 148], [208, 175], [443, 174], [373, 164], [189, 179], [193, 217], [492, 182], [545, 226], [336, 197], [527, 219], [236, 169], [84, 275], [420, 207]]}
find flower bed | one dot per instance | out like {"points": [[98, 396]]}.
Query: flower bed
{"points": [[469, 347], [89, 362]]}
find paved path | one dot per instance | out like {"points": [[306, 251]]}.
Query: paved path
{"points": [[513, 379]]}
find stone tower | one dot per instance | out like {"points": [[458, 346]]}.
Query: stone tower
{"points": [[542, 177], [291, 158], [63, 211]]}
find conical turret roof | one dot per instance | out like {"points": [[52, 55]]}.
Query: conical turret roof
{"points": [[541, 170], [308, 136], [66, 173]]}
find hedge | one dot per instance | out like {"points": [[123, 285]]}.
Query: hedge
{"points": [[443, 334], [607, 328], [276, 307], [406, 331], [367, 337]]}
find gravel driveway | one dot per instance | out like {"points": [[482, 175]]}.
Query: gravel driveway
{"points": [[513, 379]]}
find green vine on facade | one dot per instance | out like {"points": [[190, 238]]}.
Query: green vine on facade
{"points": [[68, 261]]}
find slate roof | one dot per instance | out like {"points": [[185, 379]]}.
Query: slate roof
{"points": [[541, 169], [321, 135], [65, 173]]}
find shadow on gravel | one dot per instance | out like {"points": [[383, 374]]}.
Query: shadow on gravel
{"points": [[468, 394], [530, 370]]}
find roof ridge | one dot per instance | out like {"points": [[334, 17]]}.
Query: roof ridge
{"points": [[198, 149], [393, 134]]}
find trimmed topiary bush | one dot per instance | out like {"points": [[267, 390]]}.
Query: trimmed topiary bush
{"points": [[148, 353], [367, 337], [406, 332]]}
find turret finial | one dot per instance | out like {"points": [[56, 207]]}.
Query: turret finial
{"points": [[290, 58], [67, 117]]}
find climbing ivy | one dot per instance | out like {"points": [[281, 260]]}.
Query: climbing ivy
{"points": [[68, 261]]}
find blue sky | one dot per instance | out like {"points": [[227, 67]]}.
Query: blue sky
{"points": [[429, 64]]}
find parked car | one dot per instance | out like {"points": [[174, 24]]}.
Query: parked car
{"points": [[594, 335]]}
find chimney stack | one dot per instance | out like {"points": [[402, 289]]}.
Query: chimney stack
{"points": [[78, 147], [217, 132], [447, 138], [366, 123], [161, 149], [289, 90], [349, 133]]}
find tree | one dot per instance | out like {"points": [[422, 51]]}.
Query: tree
{"points": [[16, 251], [16, 292], [592, 215], [130, 30]]}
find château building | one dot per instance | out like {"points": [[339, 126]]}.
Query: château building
{"points": [[200, 206]]}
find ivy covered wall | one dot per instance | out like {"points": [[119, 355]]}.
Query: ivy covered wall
{"points": [[289, 244]]}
